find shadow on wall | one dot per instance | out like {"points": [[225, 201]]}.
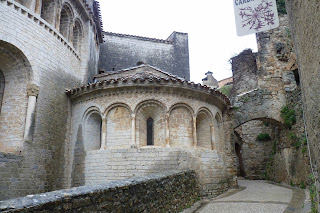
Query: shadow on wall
{"points": [[77, 176]]}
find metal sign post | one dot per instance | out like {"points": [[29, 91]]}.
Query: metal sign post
{"points": [[253, 16]]}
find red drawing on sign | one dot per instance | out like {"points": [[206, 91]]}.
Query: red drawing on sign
{"points": [[258, 17]]}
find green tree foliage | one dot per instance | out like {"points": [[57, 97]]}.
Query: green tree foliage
{"points": [[289, 116], [281, 5], [263, 137], [225, 90]]}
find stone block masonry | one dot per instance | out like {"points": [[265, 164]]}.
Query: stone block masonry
{"points": [[166, 192], [122, 51]]}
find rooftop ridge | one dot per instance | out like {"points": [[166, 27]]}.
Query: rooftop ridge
{"points": [[136, 67], [139, 37]]}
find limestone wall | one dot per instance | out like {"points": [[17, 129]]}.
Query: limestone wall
{"points": [[166, 192], [33, 52], [255, 153], [277, 85], [123, 51], [101, 166], [304, 19], [178, 116]]}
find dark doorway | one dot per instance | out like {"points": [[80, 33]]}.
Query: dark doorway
{"points": [[150, 131], [296, 76], [239, 155], [1, 88]]}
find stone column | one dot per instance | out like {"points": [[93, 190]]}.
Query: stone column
{"points": [[32, 91], [212, 138], [133, 131], [37, 6], [167, 131], [103, 133], [195, 143]]}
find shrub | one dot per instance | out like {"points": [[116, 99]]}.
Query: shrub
{"points": [[289, 116], [281, 6], [263, 137], [226, 89]]}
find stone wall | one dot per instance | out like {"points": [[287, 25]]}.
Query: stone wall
{"points": [[123, 51], [244, 71], [277, 85], [304, 19], [255, 153], [49, 61], [101, 166], [166, 192], [290, 161]]}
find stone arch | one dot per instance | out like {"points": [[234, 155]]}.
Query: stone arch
{"points": [[251, 153], [77, 35], [16, 75], [66, 21], [181, 125], [204, 129], [118, 126], [49, 11], [156, 111], [92, 123]]}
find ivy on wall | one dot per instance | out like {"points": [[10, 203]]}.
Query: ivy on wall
{"points": [[281, 5]]}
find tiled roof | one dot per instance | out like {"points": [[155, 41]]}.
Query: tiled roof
{"points": [[150, 79], [139, 37]]}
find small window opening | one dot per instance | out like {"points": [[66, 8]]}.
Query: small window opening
{"points": [[296, 76], [2, 82], [150, 132]]}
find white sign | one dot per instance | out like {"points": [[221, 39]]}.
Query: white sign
{"points": [[253, 16]]}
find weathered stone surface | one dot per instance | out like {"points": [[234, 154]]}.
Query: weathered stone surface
{"points": [[304, 19], [165, 192], [281, 157], [122, 51]]}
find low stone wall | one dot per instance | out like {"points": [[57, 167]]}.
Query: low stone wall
{"points": [[166, 192], [99, 166]]}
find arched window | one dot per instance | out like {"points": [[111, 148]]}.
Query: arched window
{"points": [[1, 88], [48, 10], [77, 35], [65, 21], [150, 132]]}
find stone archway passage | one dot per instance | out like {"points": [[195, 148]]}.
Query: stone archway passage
{"points": [[240, 165]]}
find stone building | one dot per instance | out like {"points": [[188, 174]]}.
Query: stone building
{"points": [[76, 109], [263, 84]]}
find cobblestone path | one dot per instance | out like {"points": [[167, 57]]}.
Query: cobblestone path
{"points": [[256, 196]]}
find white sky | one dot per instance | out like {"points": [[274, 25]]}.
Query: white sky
{"points": [[210, 24]]}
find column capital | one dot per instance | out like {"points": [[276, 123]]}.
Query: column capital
{"points": [[32, 90]]}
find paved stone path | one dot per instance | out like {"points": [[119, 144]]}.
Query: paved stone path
{"points": [[256, 196]]}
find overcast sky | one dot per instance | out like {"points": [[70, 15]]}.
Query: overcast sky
{"points": [[209, 24]]}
